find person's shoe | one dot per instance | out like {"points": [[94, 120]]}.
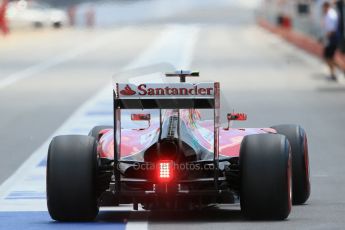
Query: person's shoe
{"points": [[333, 77]]}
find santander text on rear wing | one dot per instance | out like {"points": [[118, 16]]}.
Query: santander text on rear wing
{"points": [[166, 95]]}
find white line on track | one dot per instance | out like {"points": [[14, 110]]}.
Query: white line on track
{"points": [[17, 180], [175, 46], [137, 225]]}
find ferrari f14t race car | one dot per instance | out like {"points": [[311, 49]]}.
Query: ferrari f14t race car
{"points": [[160, 154]]}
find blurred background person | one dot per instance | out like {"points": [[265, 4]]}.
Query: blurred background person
{"points": [[330, 24]]}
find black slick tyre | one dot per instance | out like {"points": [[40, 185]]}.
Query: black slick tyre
{"points": [[71, 178], [265, 172], [300, 161]]}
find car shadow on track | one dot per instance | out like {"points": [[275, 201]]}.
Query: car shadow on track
{"points": [[121, 218], [205, 215]]}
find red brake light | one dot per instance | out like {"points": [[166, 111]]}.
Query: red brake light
{"points": [[165, 170]]}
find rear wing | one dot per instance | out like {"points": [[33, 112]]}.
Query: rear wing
{"points": [[160, 96], [166, 96]]}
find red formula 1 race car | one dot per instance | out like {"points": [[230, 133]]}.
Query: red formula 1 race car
{"points": [[161, 154]]}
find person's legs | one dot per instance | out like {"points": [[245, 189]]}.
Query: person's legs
{"points": [[331, 64], [329, 53]]}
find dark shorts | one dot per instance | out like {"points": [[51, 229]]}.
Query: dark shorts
{"points": [[329, 50]]}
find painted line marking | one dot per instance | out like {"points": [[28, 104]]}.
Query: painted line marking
{"points": [[31, 168], [137, 225]]}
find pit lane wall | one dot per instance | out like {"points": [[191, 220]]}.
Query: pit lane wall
{"points": [[300, 23]]}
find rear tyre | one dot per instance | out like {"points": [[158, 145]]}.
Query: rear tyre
{"points": [[94, 132], [300, 161], [265, 190], [71, 178]]}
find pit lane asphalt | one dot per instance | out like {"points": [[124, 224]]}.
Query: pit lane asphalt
{"points": [[259, 73]]}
